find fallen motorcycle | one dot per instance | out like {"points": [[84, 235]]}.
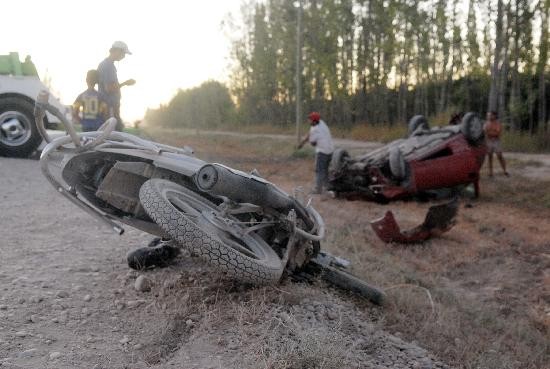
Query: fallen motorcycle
{"points": [[241, 223]]}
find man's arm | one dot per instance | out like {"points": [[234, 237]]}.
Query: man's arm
{"points": [[128, 82], [115, 87], [303, 141]]}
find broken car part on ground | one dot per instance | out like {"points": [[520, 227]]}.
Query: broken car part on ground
{"points": [[440, 219]]}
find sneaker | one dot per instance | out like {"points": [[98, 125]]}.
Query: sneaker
{"points": [[148, 257]]}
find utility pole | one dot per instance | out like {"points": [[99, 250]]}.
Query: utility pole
{"points": [[299, 71]]}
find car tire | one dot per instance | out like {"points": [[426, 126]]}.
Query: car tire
{"points": [[471, 127], [337, 162], [417, 122], [19, 136], [398, 166]]}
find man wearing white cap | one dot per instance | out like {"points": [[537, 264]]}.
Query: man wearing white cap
{"points": [[108, 80]]}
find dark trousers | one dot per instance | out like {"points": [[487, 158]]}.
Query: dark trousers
{"points": [[322, 162], [116, 114]]}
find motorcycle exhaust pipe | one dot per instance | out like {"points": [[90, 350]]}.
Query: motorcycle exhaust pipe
{"points": [[216, 179]]}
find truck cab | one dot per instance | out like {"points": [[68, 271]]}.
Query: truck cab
{"points": [[19, 87]]}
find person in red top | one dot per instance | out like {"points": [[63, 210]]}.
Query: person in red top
{"points": [[493, 130]]}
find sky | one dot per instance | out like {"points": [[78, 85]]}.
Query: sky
{"points": [[174, 43]]}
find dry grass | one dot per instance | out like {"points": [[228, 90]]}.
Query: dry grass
{"points": [[256, 321], [379, 133], [488, 288], [511, 140], [530, 194], [293, 347], [515, 141], [212, 145], [487, 277]]}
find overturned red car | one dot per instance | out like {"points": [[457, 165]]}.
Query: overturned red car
{"points": [[428, 159]]}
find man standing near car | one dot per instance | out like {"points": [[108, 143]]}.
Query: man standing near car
{"points": [[320, 137], [493, 130], [108, 79]]}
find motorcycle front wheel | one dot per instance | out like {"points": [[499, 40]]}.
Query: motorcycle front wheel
{"points": [[199, 225]]}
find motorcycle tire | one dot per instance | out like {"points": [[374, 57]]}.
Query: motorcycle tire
{"points": [[197, 224]]}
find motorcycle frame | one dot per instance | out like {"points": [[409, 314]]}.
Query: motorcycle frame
{"points": [[161, 156]]}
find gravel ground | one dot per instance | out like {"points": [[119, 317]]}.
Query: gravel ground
{"points": [[68, 301]]}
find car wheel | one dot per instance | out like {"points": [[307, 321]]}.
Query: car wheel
{"points": [[472, 128], [398, 166], [417, 122], [19, 136], [337, 162]]}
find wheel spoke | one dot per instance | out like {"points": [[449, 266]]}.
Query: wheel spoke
{"points": [[228, 230], [220, 238], [184, 206], [235, 244]]}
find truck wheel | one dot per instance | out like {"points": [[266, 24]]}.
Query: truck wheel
{"points": [[417, 122], [472, 128], [19, 136]]}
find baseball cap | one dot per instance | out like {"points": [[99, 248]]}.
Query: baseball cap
{"points": [[314, 116], [122, 46]]}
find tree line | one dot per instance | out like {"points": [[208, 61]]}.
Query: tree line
{"points": [[382, 61], [208, 106]]}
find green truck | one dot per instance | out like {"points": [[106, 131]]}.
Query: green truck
{"points": [[19, 87]]}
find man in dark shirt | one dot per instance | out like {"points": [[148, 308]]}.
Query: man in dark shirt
{"points": [[108, 79]]}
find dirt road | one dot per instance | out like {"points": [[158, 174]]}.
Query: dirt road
{"points": [[68, 301]]}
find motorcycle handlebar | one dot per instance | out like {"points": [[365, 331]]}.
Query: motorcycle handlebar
{"points": [[42, 105]]}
